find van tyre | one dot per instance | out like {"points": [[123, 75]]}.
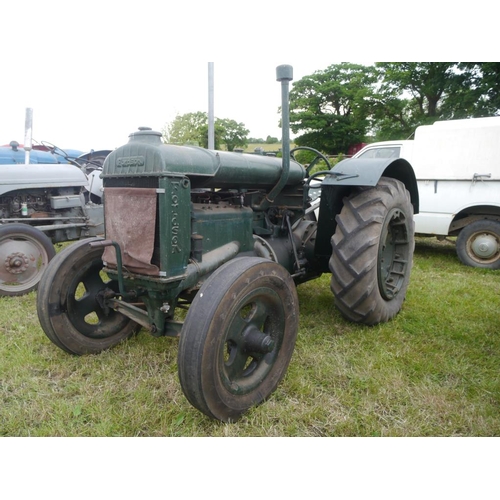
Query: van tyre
{"points": [[25, 253], [238, 337], [478, 244], [372, 252]]}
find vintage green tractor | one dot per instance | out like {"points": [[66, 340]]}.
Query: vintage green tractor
{"points": [[228, 236]]}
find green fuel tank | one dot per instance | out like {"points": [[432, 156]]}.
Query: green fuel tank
{"points": [[146, 156]]}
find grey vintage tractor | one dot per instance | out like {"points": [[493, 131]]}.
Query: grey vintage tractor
{"points": [[57, 198], [228, 236]]}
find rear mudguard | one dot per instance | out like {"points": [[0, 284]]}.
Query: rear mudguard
{"points": [[346, 176], [368, 171]]}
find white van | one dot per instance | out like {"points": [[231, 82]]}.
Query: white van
{"points": [[457, 165]]}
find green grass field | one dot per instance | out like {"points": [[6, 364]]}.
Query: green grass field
{"points": [[432, 371]]}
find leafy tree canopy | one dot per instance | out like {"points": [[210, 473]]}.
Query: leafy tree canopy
{"points": [[271, 140], [329, 107], [192, 128], [346, 103]]}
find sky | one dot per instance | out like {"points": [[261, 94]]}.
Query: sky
{"points": [[101, 114], [93, 72]]}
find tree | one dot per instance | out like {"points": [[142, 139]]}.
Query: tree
{"points": [[186, 129], [348, 103], [479, 89], [410, 94], [192, 128], [271, 140], [232, 134], [426, 83], [490, 84], [329, 107]]}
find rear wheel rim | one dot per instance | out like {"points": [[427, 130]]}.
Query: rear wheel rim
{"points": [[22, 261], [394, 254], [484, 247]]}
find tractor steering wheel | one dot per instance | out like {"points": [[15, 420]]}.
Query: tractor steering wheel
{"points": [[54, 149], [319, 156]]}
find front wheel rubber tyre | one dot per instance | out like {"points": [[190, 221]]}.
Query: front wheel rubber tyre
{"points": [[478, 244], [25, 253], [372, 252], [238, 337], [67, 305]]}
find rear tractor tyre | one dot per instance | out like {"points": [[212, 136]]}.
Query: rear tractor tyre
{"points": [[372, 252], [238, 337], [67, 305], [478, 244], [25, 253]]}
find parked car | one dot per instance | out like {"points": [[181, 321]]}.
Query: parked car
{"points": [[457, 165]]}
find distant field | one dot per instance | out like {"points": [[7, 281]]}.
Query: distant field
{"points": [[266, 147]]}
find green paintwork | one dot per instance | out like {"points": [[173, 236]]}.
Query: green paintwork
{"points": [[146, 156], [174, 225], [220, 224]]}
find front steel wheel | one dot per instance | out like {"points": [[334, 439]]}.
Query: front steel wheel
{"points": [[25, 253], [68, 308], [238, 337], [372, 252], [478, 244]]}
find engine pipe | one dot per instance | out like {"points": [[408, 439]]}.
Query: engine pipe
{"points": [[284, 74], [211, 261]]}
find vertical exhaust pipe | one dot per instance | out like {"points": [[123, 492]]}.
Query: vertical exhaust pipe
{"points": [[284, 74]]}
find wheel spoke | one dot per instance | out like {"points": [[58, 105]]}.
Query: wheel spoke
{"points": [[85, 306], [84, 309], [243, 349], [236, 362], [92, 281], [252, 336], [259, 313]]}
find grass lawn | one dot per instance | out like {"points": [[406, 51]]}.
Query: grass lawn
{"points": [[432, 371]]}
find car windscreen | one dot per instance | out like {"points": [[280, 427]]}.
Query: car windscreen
{"points": [[382, 152]]}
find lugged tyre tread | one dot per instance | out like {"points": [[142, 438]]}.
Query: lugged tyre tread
{"points": [[353, 263]]}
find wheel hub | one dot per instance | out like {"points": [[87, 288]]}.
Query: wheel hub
{"points": [[256, 341], [485, 246], [16, 263]]}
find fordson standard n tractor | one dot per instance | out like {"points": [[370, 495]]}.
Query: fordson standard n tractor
{"points": [[228, 236]]}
